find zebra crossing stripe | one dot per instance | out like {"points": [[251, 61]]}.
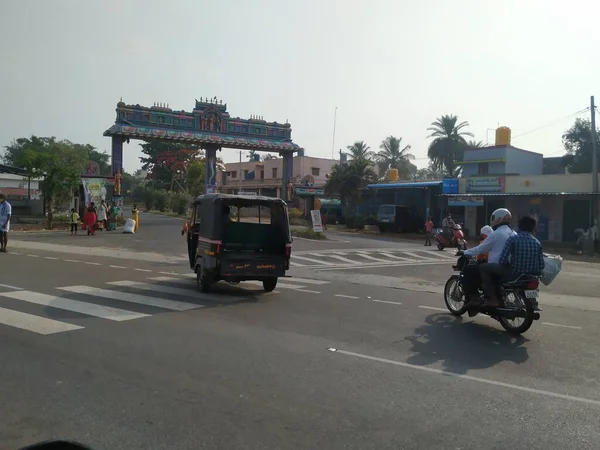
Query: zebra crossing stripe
{"points": [[131, 298], [156, 287], [90, 309], [35, 324]]}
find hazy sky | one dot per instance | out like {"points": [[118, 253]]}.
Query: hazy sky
{"points": [[391, 67]]}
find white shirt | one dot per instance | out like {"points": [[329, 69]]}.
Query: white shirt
{"points": [[493, 245], [5, 211], [102, 212]]}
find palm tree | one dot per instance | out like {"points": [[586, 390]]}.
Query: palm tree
{"points": [[472, 143], [346, 180], [392, 156], [360, 150], [448, 145], [252, 154]]}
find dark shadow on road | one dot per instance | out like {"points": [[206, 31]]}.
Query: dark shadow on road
{"points": [[462, 346]]}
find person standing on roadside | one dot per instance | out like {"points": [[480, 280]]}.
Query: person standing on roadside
{"points": [[103, 215], [74, 221], [5, 214], [135, 215], [428, 231]]}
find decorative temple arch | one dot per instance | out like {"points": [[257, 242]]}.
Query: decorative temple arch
{"points": [[210, 126]]}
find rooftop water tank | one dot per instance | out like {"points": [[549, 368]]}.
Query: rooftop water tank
{"points": [[503, 136], [392, 175]]}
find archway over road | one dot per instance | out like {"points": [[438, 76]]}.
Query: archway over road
{"points": [[210, 126]]}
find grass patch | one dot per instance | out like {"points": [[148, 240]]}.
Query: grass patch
{"points": [[309, 234]]}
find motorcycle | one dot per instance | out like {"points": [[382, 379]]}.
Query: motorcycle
{"points": [[457, 240], [518, 299]]}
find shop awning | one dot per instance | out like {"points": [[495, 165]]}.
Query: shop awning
{"points": [[516, 194], [417, 184]]}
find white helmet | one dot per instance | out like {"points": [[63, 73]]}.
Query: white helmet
{"points": [[486, 230], [501, 216]]}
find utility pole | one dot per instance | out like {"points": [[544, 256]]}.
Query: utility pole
{"points": [[240, 156], [334, 123], [594, 162]]}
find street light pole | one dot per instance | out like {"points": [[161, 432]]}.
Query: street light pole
{"points": [[333, 140], [594, 162]]}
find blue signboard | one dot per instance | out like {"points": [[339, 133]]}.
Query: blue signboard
{"points": [[450, 186]]}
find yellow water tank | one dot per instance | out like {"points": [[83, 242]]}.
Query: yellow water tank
{"points": [[392, 175], [503, 136]]}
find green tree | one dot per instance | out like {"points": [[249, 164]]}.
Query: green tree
{"points": [[393, 156], [428, 173], [360, 151], [448, 145], [59, 163], [346, 180], [253, 154], [163, 158], [577, 141], [472, 143], [195, 177]]}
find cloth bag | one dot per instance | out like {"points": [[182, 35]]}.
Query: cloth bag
{"points": [[552, 267], [129, 226]]}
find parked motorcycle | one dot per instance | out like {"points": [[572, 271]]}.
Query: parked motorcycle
{"points": [[519, 299], [456, 241]]}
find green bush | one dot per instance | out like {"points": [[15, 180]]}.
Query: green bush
{"points": [[147, 196], [295, 213], [355, 222], [179, 202], [160, 200]]}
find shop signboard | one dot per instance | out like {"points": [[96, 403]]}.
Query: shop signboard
{"points": [[450, 186], [477, 185], [309, 191], [465, 201]]}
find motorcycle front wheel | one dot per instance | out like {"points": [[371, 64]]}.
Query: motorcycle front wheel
{"points": [[454, 297], [521, 324]]}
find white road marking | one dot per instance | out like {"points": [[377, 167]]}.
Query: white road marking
{"points": [[170, 273], [173, 280], [376, 266], [307, 291], [307, 281], [433, 308], [561, 326], [132, 298], [312, 260], [279, 285], [339, 258], [143, 270], [92, 263], [90, 309], [154, 288], [117, 267], [439, 254], [50, 257], [345, 296], [386, 301], [291, 264], [366, 256], [33, 256], [35, 324], [14, 253], [414, 255], [8, 286], [515, 387], [389, 255], [72, 260]]}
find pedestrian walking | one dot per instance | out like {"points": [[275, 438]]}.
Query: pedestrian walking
{"points": [[5, 215], [74, 221], [103, 215], [428, 232], [135, 213]]}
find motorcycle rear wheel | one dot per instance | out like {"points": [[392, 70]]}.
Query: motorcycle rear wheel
{"points": [[451, 289], [520, 329]]}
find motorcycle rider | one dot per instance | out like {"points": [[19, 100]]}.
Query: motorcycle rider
{"points": [[493, 245], [522, 255], [448, 227]]}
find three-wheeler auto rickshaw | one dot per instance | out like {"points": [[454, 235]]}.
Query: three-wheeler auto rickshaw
{"points": [[223, 245]]}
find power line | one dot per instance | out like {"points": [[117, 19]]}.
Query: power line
{"points": [[554, 122]]}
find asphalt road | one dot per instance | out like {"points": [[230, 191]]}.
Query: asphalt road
{"points": [[106, 341]]}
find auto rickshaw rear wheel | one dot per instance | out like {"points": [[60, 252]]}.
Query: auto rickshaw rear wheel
{"points": [[201, 282], [269, 284]]}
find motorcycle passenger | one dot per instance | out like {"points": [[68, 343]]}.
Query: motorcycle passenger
{"points": [[522, 255], [448, 227], [485, 231], [493, 245]]}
